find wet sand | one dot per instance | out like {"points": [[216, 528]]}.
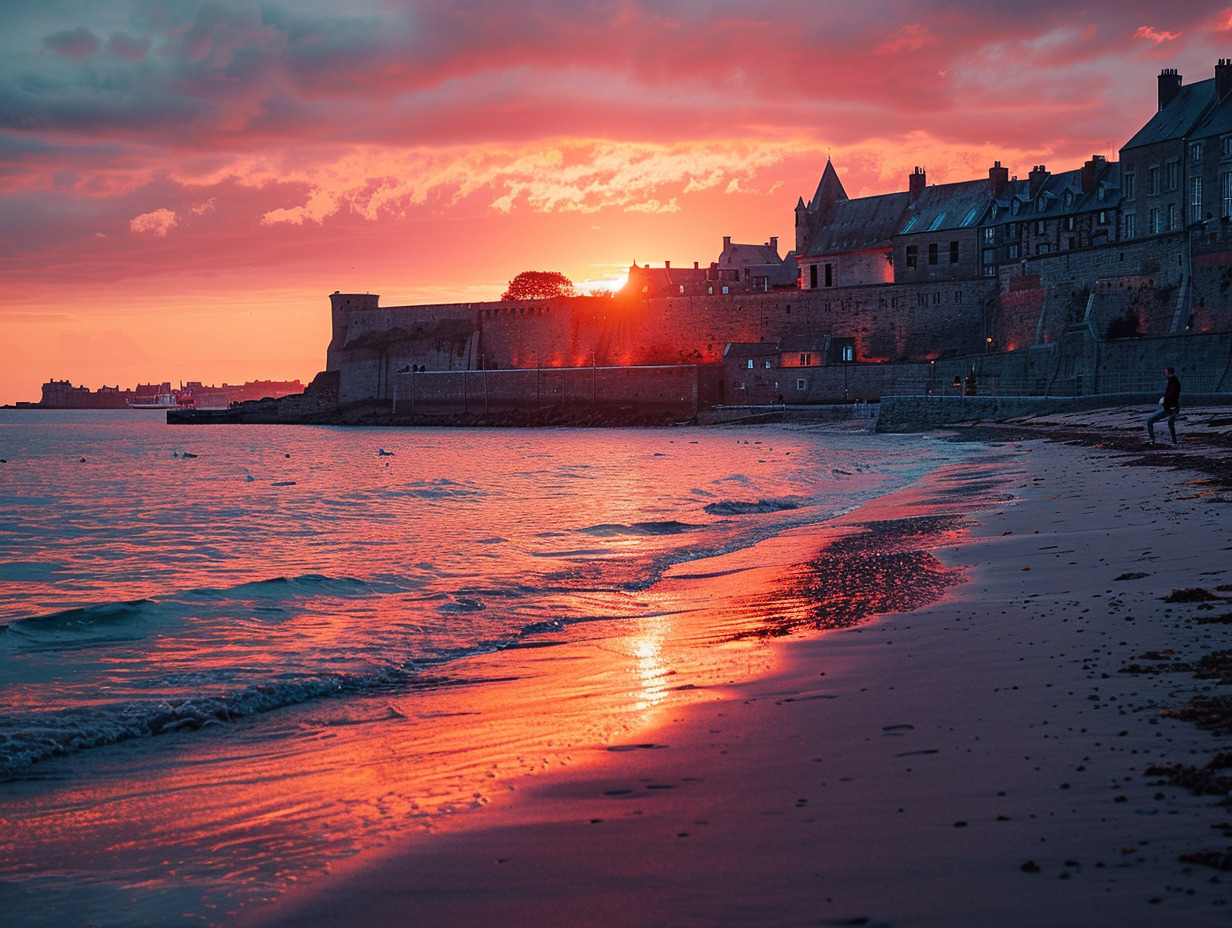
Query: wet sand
{"points": [[1012, 753]]}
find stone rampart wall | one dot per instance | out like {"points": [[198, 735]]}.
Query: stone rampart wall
{"points": [[678, 389]]}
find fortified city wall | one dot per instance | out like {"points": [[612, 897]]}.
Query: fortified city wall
{"points": [[1048, 318], [889, 322]]}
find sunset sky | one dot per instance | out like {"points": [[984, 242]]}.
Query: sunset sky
{"points": [[183, 182]]}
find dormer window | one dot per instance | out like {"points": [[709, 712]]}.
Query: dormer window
{"points": [[1039, 205], [1069, 198], [1017, 205]]}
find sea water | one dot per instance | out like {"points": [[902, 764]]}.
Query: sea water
{"points": [[231, 654]]}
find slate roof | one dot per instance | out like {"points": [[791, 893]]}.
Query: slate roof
{"points": [[1178, 118], [856, 225], [1215, 122], [737, 255], [943, 207]]}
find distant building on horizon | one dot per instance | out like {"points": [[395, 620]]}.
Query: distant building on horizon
{"points": [[62, 394]]}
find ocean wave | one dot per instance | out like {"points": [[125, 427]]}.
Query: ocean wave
{"points": [[735, 507], [107, 620], [27, 740], [132, 618], [30, 738], [609, 529], [279, 587]]}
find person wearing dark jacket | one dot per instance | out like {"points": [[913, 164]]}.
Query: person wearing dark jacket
{"points": [[1169, 407]]}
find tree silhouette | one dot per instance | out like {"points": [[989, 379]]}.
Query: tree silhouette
{"points": [[539, 285]]}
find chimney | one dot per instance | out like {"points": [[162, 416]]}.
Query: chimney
{"points": [[774, 244], [998, 177], [667, 265], [915, 184], [1038, 175], [726, 244], [695, 265], [1089, 170], [1223, 78], [1169, 86]]}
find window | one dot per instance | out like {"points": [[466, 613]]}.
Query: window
{"points": [[829, 275], [1103, 217], [1195, 199], [1129, 185], [1014, 252], [1012, 230], [1225, 146], [1069, 223], [932, 252], [1225, 182], [1040, 205], [1042, 248], [936, 223], [767, 365], [1195, 152], [1173, 175], [806, 359], [849, 353], [1131, 225], [1171, 217], [1152, 225], [912, 256], [813, 276], [1152, 180], [801, 384], [990, 270], [750, 363], [953, 252], [990, 235], [1041, 226], [990, 255]]}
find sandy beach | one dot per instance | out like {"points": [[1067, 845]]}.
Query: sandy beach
{"points": [[1018, 752]]}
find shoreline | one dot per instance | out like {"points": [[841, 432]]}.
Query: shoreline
{"points": [[983, 755]]}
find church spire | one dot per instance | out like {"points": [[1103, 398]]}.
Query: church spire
{"points": [[829, 190]]}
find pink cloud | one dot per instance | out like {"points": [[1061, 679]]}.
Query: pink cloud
{"points": [[159, 222], [1154, 35], [127, 47], [909, 38], [79, 43]]}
